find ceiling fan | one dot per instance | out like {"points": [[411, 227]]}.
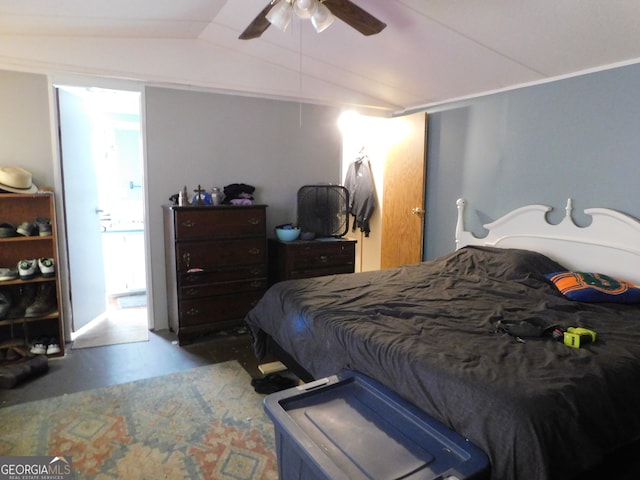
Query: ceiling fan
{"points": [[345, 10]]}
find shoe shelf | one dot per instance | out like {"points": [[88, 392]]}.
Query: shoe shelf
{"points": [[19, 281], [16, 321], [29, 304]]}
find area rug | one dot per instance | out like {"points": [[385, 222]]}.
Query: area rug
{"points": [[115, 327], [205, 423]]}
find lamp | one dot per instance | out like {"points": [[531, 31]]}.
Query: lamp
{"points": [[281, 13], [322, 18], [305, 8]]}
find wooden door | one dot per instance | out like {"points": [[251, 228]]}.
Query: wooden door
{"points": [[403, 195]]}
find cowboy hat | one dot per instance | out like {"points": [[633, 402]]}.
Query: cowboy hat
{"points": [[17, 180]]}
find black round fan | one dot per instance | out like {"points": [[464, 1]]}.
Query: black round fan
{"points": [[324, 210]]}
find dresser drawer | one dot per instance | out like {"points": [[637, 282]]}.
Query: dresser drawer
{"points": [[229, 274], [223, 288], [219, 222], [221, 308], [305, 259], [207, 255], [321, 255]]}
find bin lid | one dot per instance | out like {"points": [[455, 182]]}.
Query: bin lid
{"points": [[357, 426]]}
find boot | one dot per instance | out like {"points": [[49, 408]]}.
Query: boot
{"points": [[5, 303], [45, 301], [26, 295]]}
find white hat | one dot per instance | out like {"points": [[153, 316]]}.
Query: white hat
{"points": [[17, 180]]}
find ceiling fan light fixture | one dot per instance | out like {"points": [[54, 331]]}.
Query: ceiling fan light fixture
{"points": [[305, 8], [280, 15], [322, 18]]}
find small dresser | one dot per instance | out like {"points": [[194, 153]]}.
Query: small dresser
{"points": [[313, 258], [216, 266]]}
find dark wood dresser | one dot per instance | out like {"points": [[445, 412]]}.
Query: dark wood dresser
{"points": [[313, 258], [216, 266]]}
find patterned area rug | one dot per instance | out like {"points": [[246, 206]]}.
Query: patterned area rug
{"points": [[205, 423]]}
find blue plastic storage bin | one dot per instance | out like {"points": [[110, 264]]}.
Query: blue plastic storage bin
{"points": [[349, 426]]}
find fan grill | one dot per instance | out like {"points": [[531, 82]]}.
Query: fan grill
{"points": [[323, 209]]}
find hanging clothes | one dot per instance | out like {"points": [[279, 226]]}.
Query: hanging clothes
{"points": [[362, 199]]}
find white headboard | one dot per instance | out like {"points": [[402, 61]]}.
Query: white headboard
{"points": [[609, 245]]}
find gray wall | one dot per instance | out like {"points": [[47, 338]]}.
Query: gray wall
{"points": [[577, 138], [214, 140], [25, 135], [191, 138]]}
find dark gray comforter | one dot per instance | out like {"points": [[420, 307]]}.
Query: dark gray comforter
{"points": [[539, 409]]}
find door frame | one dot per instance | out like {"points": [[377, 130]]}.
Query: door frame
{"points": [[65, 283], [381, 139]]}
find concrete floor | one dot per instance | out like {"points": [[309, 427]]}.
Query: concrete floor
{"points": [[88, 368]]}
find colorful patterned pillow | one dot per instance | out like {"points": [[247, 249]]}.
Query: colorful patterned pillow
{"points": [[594, 287]]}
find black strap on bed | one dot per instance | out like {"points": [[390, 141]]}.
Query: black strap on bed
{"points": [[525, 329]]}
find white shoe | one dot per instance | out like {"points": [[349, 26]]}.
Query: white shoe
{"points": [[38, 349], [53, 348], [47, 267], [27, 268]]}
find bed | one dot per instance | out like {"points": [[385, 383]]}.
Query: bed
{"points": [[539, 409]]}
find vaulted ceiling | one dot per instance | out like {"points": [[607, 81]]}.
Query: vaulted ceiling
{"points": [[430, 52]]}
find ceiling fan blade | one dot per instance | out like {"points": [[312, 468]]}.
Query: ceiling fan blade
{"points": [[258, 26], [356, 17]]}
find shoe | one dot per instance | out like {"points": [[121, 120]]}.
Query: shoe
{"points": [[44, 226], [27, 268], [272, 383], [26, 229], [38, 348], [44, 303], [7, 230], [12, 355], [46, 266], [23, 297], [8, 274], [53, 347], [5, 303]]}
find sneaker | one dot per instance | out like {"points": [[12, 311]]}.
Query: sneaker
{"points": [[7, 230], [27, 268], [26, 229], [38, 348], [8, 274], [44, 303], [53, 347], [46, 266], [44, 226]]}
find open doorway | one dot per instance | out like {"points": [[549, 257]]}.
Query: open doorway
{"points": [[102, 180]]}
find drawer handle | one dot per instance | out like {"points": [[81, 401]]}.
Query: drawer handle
{"points": [[186, 259], [323, 258], [193, 291], [254, 221], [254, 251], [255, 271], [191, 278], [193, 312], [256, 284], [188, 224]]}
